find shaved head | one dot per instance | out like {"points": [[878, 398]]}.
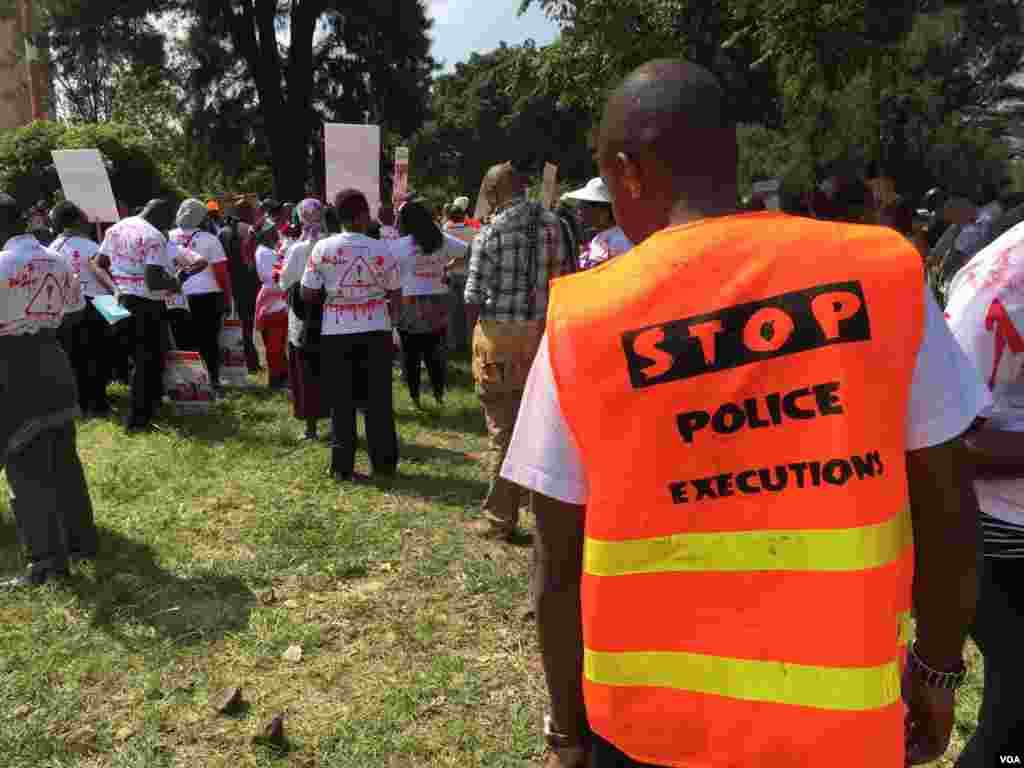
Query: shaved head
{"points": [[667, 147], [502, 183]]}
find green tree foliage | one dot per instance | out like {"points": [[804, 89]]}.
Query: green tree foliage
{"points": [[864, 86], [91, 44], [492, 107], [26, 165], [599, 45], [269, 73]]}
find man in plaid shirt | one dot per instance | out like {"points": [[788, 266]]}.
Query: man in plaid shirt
{"points": [[511, 262]]}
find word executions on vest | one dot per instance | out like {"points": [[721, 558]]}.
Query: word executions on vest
{"points": [[747, 333], [801, 474]]}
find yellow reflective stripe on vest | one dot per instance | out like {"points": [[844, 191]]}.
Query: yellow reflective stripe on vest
{"points": [[831, 688], [839, 549]]}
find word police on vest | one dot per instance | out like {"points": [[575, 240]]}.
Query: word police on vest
{"points": [[758, 413], [795, 322]]}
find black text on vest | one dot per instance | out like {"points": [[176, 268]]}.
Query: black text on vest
{"points": [[747, 333]]}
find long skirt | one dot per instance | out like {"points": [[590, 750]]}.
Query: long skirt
{"points": [[305, 379], [275, 339]]}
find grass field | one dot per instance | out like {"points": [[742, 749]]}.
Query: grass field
{"points": [[224, 543]]}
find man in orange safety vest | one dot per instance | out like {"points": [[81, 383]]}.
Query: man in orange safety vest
{"points": [[745, 439]]}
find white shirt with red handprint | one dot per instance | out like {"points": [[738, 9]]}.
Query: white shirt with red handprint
{"points": [[35, 286], [986, 314], [79, 251], [132, 245]]}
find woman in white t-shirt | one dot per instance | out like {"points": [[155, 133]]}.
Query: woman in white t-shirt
{"points": [[423, 253], [358, 280], [986, 314], [308, 401], [208, 292], [271, 308], [88, 339]]}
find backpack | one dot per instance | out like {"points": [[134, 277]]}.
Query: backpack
{"points": [[232, 242]]}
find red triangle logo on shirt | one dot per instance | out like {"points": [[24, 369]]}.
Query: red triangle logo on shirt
{"points": [[359, 274], [48, 300]]}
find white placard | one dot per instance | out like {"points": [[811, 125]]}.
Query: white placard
{"points": [[483, 205], [86, 183], [548, 190], [353, 161]]}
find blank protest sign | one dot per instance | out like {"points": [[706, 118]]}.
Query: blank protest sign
{"points": [[353, 161], [86, 183]]}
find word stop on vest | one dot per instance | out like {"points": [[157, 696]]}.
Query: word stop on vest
{"points": [[747, 333], [788, 324]]}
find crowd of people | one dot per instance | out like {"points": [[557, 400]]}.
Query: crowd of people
{"points": [[754, 441]]}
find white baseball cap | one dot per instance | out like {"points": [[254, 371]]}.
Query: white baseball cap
{"points": [[596, 191]]}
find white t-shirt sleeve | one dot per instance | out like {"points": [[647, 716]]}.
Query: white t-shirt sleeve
{"points": [[543, 455], [212, 250], [947, 393], [311, 277], [157, 252], [294, 265], [265, 259]]}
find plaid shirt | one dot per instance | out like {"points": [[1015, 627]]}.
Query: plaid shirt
{"points": [[510, 286]]}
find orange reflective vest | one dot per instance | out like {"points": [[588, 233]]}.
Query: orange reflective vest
{"points": [[738, 389]]}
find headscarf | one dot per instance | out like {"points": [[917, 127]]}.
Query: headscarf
{"points": [[264, 234], [191, 214], [310, 214]]}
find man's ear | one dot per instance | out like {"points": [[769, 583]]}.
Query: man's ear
{"points": [[631, 173]]}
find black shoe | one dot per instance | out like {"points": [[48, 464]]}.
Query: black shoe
{"points": [[35, 575], [78, 557]]}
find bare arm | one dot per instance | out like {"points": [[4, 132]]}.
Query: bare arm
{"points": [[947, 542], [997, 451], [557, 579], [157, 279]]}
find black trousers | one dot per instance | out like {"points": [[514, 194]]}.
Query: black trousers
{"points": [[92, 360], [428, 347], [997, 631], [207, 320], [342, 358], [245, 286], [180, 324], [50, 499], [68, 334], [144, 337]]}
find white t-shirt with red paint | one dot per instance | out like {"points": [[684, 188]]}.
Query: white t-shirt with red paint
{"points": [[132, 245], [423, 273], [80, 251], [35, 284], [209, 247], [357, 273], [985, 312]]}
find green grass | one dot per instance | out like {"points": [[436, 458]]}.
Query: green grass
{"points": [[225, 542]]}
